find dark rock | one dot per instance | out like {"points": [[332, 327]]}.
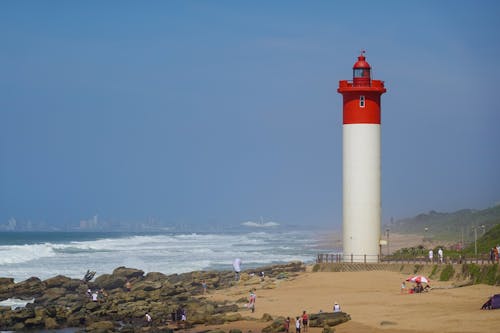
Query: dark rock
{"points": [[109, 282], [276, 326], [128, 273], [101, 326], [56, 281], [266, 317], [328, 319]]}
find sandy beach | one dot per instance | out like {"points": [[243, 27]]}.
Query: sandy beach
{"points": [[374, 301]]}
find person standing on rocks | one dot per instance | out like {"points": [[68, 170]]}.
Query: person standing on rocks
{"points": [[237, 268], [149, 320], [336, 307], [204, 286], [128, 285]]}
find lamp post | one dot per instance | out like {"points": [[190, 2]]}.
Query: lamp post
{"points": [[388, 246], [475, 237]]}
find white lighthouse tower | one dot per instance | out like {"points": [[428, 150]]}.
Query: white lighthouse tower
{"points": [[361, 206]]}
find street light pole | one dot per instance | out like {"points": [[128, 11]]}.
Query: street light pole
{"points": [[475, 241], [388, 246], [475, 237]]}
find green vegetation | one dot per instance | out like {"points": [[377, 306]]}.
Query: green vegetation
{"points": [[487, 274], [417, 268], [449, 226], [434, 269], [484, 243], [447, 273]]}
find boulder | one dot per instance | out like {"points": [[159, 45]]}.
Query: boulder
{"points": [[51, 323], [276, 326], [328, 319], [110, 282], [56, 281], [100, 326], [128, 273], [29, 288]]}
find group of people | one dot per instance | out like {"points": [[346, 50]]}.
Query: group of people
{"points": [[178, 316], [96, 295], [302, 321], [440, 255], [418, 288], [494, 254]]}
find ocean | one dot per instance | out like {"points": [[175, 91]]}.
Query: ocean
{"points": [[47, 254]]}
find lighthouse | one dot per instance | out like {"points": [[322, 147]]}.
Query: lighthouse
{"points": [[361, 203]]}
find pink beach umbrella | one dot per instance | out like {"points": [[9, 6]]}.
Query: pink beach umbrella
{"points": [[418, 279]]}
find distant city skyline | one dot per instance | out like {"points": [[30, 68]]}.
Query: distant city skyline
{"points": [[221, 112]]}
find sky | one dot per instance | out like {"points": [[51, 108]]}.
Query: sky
{"points": [[226, 111]]}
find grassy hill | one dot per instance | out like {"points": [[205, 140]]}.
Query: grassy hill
{"points": [[450, 226], [490, 239]]}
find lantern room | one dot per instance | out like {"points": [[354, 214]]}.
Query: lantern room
{"points": [[361, 72]]}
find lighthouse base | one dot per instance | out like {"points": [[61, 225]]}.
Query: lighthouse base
{"points": [[361, 192]]}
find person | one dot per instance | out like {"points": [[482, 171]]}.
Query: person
{"points": [[261, 274], [251, 302], [492, 255], [297, 324], [128, 285], [237, 268], [95, 296], [440, 255], [286, 325], [431, 256], [305, 320], [497, 252], [149, 320], [403, 287], [183, 315], [204, 286], [89, 293], [336, 307]]}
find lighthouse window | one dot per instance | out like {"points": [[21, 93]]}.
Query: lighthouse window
{"points": [[361, 101], [361, 72]]}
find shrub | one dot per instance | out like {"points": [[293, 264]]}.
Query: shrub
{"points": [[447, 273]]}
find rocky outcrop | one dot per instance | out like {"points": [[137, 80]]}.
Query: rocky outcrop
{"points": [[63, 302]]}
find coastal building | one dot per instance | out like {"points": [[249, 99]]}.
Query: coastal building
{"points": [[361, 202]]}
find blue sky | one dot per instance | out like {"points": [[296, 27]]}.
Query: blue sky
{"points": [[225, 111]]}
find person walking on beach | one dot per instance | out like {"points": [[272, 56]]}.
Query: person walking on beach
{"points": [[251, 302], [286, 325], [305, 320], [431, 256], [440, 255], [297, 324], [237, 268]]}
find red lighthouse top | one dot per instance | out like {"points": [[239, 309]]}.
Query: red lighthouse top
{"points": [[361, 72], [361, 95]]}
